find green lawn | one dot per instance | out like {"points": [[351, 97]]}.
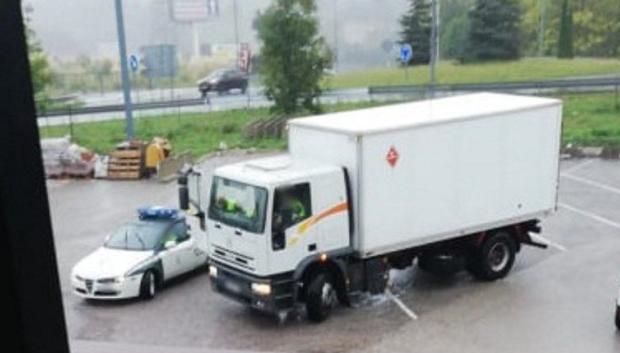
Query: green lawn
{"points": [[450, 72], [199, 133], [589, 119]]}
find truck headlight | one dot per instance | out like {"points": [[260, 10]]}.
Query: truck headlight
{"points": [[213, 271], [261, 288]]}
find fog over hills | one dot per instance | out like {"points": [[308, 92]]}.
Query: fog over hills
{"points": [[88, 27]]}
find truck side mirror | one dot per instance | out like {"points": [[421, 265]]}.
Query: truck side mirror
{"points": [[183, 197], [183, 190]]}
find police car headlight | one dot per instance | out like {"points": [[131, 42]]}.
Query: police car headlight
{"points": [[213, 271], [261, 288], [110, 280]]}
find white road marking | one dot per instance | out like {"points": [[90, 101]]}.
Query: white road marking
{"points": [[591, 183], [578, 166], [548, 242], [590, 215], [401, 305]]}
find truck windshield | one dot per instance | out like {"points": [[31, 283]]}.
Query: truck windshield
{"points": [[238, 205]]}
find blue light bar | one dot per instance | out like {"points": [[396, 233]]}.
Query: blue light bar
{"points": [[154, 212]]}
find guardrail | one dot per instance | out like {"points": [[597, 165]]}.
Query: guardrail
{"points": [[565, 85], [112, 108], [572, 84]]}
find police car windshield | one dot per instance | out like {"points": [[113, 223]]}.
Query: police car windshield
{"points": [[138, 236], [238, 205]]}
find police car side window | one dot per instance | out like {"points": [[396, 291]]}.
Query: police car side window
{"points": [[180, 231]]}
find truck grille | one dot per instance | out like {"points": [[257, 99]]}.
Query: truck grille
{"points": [[234, 258]]}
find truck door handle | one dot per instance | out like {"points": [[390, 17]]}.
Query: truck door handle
{"points": [[218, 226], [237, 232]]}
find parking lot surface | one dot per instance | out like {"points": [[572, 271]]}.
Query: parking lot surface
{"points": [[556, 300]]}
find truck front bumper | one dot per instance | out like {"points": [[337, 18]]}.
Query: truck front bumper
{"points": [[238, 286]]}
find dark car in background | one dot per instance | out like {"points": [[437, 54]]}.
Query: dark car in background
{"points": [[222, 81]]}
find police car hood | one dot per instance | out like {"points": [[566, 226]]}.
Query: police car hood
{"points": [[106, 262]]}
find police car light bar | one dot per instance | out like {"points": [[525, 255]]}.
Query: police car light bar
{"points": [[157, 213]]}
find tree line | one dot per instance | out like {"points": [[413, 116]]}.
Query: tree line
{"points": [[479, 30]]}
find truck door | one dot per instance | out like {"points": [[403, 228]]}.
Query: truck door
{"points": [[291, 236]]}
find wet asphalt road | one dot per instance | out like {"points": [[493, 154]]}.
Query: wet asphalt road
{"points": [[554, 300]]}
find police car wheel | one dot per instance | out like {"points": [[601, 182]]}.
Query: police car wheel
{"points": [[148, 286], [320, 297]]}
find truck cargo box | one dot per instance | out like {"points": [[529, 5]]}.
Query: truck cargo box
{"points": [[432, 170]]}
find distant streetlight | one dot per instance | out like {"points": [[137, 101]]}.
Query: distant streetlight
{"points": [[236, 15], [335, 34]]}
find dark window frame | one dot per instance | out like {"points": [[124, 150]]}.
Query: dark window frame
{"points": [[33, 308]]}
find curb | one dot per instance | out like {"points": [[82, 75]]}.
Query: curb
{"points": [[571, 151]]}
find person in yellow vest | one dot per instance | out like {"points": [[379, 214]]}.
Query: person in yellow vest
{"points": [[154, 155]]}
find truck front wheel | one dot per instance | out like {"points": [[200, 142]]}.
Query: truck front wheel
{"points": [[320, 297], [494, 259]]}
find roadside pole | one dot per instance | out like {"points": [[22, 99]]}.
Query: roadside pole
{"points": [[122, 50], [433, 46]]}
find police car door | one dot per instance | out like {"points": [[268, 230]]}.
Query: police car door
{"points": [[177, 258]]}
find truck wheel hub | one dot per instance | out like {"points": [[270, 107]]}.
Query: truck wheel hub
{"points": [[498, 257]]}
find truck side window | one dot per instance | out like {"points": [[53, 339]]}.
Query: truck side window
{"points": [[291, 205]]}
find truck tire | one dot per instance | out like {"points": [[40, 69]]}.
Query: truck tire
{"points": [[618, 317], [148, 285], [320, 297], [494, 259]]}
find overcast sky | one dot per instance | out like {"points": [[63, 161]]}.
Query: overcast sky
{"points": [[70, 28]]}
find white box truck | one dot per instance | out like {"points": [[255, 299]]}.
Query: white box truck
{"points": [[456, 183]]}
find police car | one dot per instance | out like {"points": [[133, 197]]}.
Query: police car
{"points": [[139, 257]]}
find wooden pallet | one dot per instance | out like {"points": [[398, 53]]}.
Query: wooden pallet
{"points": [[126, 164]]}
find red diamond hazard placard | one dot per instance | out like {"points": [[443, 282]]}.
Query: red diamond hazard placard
{"points": [[392, 156]]}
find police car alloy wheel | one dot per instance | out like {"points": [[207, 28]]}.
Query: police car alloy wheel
{"points": [[148, 287]]}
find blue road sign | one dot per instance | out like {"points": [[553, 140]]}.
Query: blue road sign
{"points": [[406, 52], [134, 63]]}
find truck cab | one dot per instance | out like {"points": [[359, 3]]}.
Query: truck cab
{"points": [[269, 220]]}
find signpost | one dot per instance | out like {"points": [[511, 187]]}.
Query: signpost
{"points": [[405, 54], [192, 12], [134, 62], [122, 49]]}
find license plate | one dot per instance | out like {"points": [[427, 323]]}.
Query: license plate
{"points": [[232, 286]]}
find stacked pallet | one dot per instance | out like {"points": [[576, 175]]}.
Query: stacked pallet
{"points": [[126, 162]]}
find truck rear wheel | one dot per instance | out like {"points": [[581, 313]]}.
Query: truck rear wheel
{"points": [[494, 259], [321, 297]]}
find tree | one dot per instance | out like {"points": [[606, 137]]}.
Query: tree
{"points": [[454, 25], [416, 30], [494, 31], [293, 55], [39, 65], [565, 40]]}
